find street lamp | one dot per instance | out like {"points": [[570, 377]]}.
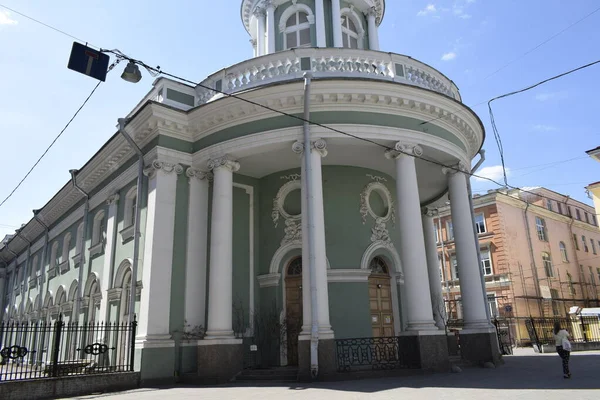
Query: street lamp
{"points": [[131, 73]]}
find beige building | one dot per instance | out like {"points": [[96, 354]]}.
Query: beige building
{"points": [[539, 255], [594, 188]]}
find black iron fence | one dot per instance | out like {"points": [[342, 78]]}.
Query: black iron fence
{"points": [[35, 350], [583, 329], [380, 353]]}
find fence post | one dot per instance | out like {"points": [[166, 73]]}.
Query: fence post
{"points": [[56, 346], [585, 338], [133, 330]]}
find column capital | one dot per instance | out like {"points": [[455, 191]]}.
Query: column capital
{"points": [[253, 42], [427, 212], [460, 167], [268, 4], [259, 12], [404, 149], [192, 173], [166, 167], [319, 145], [371, 13], [223, 162], [112, 200]]}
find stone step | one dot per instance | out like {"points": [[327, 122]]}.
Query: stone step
{"points": [[283, 374]]}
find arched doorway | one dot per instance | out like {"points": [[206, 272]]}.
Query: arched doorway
{"points": [[380, 298], [293, 308]]}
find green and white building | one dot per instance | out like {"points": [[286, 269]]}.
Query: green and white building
{"points": [[223, 221]]}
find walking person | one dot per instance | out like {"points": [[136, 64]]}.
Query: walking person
{"points": [[563, 348]]}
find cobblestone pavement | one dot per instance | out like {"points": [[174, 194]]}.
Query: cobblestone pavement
{"points": [[525, 376]]}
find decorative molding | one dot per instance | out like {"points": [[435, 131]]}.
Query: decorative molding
{"points": [[114, 294], [293, 232], [279, 201], [76, 260], [113, 199], [166, 167], [223, 162], [52, 272], [127, 233], [269, 280], [391, 252], [459, 167], [64, 267], [292, 177], [319, 145], [365, 206], [197, 173], [347, 275], [32, 282], [376, 178], [96, 249], [379, 232]]}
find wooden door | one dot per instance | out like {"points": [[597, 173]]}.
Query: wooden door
{"points": [[293, 308], [380, 300]]}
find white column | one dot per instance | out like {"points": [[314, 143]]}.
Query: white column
{"points": [[270, 48], [319, 150], [259, 13], [155, 299], [474, 305], [109, 252], [197, 243], [220, 292], [320, 16], [372, 27], [298, 148], [412, 245], [3, 279], [254, 47], [433, 269], [336, 23]]}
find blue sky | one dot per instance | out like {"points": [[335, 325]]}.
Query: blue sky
{"points": [[468, 40]]}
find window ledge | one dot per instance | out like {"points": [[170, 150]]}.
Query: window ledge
{"points": [[52, 272], [33, 283], [76, 260], [127, 233], [96, 249], [64, 267]]}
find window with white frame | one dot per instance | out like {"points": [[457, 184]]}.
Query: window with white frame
{"points": [[492, 304], [99, 228], [480, 223], [66, 247], [549, 204], [563, 251], [454, 267], [350, 35], [598, 272], [593, 246], [449, 230], [560, 209], [592, 276], [594, 220], [587, 218], [547, 261], [33, 268], [79, 238], [578, 214], [486, 262], [297, 31], [575, 241], [571, 285], [554, 294], [130, 204], [540, 226], [54, 255], [585, 246]]}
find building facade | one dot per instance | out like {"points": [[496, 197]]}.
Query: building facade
{"points": [[594, 188], [224, 230], [539, 256]]}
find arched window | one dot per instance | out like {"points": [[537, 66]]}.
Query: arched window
{"points": [[297, 31], [378, 266], [563, 251], [350, 35], [78, 248], [99, 229], [295, 267], [65, 248], [571, 286], [130, 204], [33, 268], [54, 260], [547, 261]]}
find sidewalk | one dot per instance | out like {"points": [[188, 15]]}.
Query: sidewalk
{"points": [[526, 375]]}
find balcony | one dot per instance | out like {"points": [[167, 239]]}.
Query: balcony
{"points": [[325, 63]]}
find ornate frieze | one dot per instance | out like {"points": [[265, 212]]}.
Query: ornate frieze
{"points": [[114, 199], [293, 231], [166, 167], [197, 174], [223, 162], [379, 232], [279, 200]]}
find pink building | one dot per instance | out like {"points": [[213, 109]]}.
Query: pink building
{"points": [[539, 255]]}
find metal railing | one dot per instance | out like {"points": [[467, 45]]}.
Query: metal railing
{"points": [[34, 350], [380, 353], [583, 329]]}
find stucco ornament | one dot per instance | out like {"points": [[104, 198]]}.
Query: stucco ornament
{"points": [[293, 232], [382, 190], [379, 232], [278, 210]]}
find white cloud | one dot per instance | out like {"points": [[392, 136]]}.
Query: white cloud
{"points": [[430, 9], [544, 128], [470, 1], [449, 56], [465, 16], [494, 172], [550, 96], [5, 19]]}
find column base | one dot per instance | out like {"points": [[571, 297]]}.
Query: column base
{"points": [[422, 326], [218, 335], [479, 348], [327, 359], [425, 350], [219, 360], [155, 359]]}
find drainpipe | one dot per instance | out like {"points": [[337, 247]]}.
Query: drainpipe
{"points": [[535, 272], [16, 272], [314, 331], [86, 210], [26, 274], [46, 236], [473, 170], [138, 211], [574, 241]]}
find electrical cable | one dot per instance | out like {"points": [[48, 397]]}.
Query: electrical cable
{"points": [[57, 137]]}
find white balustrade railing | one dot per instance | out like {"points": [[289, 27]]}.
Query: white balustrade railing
{"points": [[324, 63]]}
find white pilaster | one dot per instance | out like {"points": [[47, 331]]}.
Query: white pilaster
{"points": [[298, 148], [372, 27], [220, 300], [260, 32], [109, 252], [474, 306], [412, 244], [270, 49], [319, 148], [336, 23], [197, 244], [3, 285], [433, 269], [155, 299], [320, 23]]}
